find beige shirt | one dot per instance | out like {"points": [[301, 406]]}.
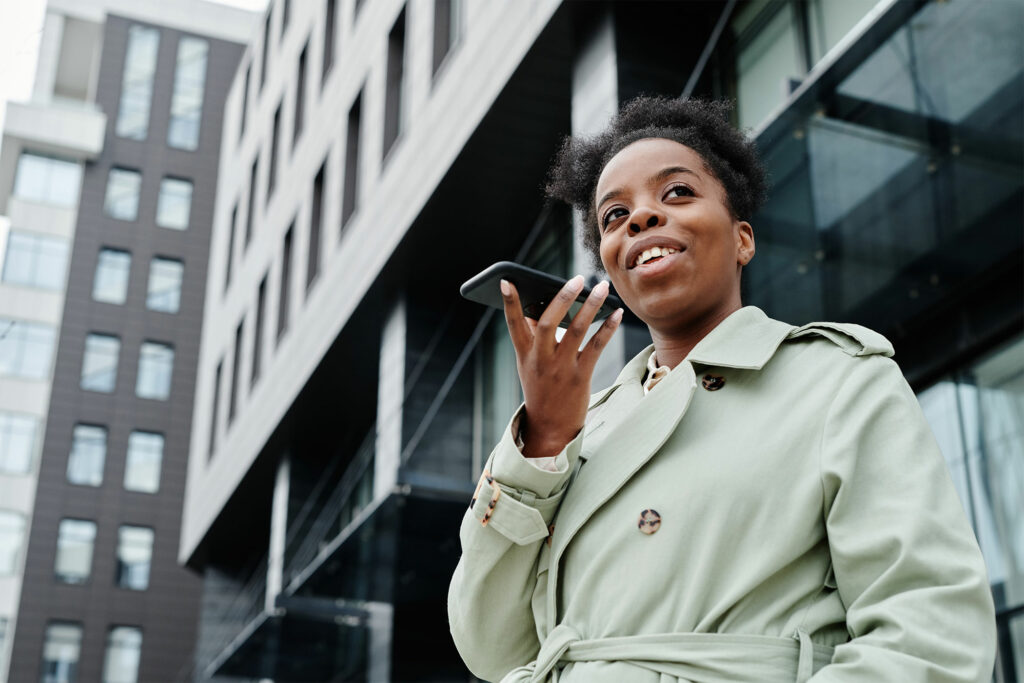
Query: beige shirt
{"points": [[655, 373]]}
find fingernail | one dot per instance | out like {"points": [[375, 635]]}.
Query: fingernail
{"points": [[617, 315], [601, 288], [576, 284], [505, 288]]}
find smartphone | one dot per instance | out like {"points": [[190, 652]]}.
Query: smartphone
{"points": [[536, 289]]}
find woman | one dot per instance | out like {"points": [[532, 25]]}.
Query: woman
{"points": [[749, 501]]}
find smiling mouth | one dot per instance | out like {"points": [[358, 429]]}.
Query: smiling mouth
{"points": [[653, 255]]}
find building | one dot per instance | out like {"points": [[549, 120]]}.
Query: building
{"points": [[107, 175], [377, 154]]}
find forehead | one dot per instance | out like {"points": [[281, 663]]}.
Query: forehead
{"points": [[638, 161]]}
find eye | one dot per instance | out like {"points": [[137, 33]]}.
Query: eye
{"points": [[611, 215], [679, 191]]}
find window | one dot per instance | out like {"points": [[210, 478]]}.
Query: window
{"points": [[236, 367], [315, 222], [164, 291], [17, 442], [35, 260], [229, 262], [137, 82], [245, 102], [187, 98], [75, 539], [266, 46], [286, 12], [122, 201], [124, 649], [110, 283], [88, 453], [47, 180], [393, 105], [134, 551], [142, 466], [156, 365], [351, 187], [328, 42], [447, 29], [174, 203], [26, 349], [250, 215], [257, 337], [61, 649], [12, 535], [274, 143], [215, 412], [99, 363], [300, 95], [286, 283]]}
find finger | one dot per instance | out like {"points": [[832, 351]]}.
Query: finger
{"points": [[592, 351], [518, 329], [557, 309], [584, 317], [533, 324]]}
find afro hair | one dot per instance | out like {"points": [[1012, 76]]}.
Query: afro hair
{"points": [[701, 125]]}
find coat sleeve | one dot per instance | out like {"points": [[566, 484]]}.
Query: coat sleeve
{"points": [[906, 563], [489, 600]]}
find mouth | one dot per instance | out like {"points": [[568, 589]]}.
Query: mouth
{"points": [[653, 255]]}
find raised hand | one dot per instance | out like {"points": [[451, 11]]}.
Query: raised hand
{"points": [[556, 375]]}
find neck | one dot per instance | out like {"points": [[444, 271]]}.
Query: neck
{"points": [[673, 345]]}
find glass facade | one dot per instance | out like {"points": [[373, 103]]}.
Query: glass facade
{"points": [[143, 461], [156, 365], [110, 283], [75, 539], [88, 454], [12, 536], [17, 442], [187, 98], [124, 649], [99, 363], [47, 180], [35, 260], [134, 553], [26, 349], [164, 291], [122, 199], [61, 650], [137, 82]]}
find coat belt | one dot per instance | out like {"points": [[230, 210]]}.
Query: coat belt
{"points": [[698, 657]]}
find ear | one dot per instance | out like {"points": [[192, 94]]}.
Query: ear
{"points": [[744, 243]]}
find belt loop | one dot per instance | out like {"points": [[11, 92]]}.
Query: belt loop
{"points": [[805, 668]]}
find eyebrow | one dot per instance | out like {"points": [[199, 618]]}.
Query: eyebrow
{"points": [[657, 177]]}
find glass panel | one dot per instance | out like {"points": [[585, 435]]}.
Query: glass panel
{"points": [[122, 199], [88, 453], [17, 442], [174, 204], [12, 533], [35, 260], [134, 550], [26, 349], [48, 180], [124, 648], [75, 539], [137, 82], [768, 59], [142, 469], [111, 282], [187, 100], [60, 653], [164, 292], [828, 22], [99, 364], [156, 363]]}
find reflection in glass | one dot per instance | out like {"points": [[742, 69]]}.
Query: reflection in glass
{"points": [[164, 292], [187, 99], [12, 533], [17, 442], [142, 466], [137, 82], [99, 363], [75, 538], [174, 203], [110, 284], [35, 260], [47, 180], [134, 551], [156, 364], [122, 200], [61, 650], [88, 453], [124, 648], [26, 349]]}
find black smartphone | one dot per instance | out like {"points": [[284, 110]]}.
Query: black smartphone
{"points": [[535, 288]]}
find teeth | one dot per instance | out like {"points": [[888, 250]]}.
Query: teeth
{"points": [[654, 252]]}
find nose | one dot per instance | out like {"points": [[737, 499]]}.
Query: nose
{"points": [[644, 218]]}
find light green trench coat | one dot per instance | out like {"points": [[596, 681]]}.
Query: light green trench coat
{"points": [[809, 529]]}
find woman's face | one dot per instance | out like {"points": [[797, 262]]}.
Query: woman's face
{"points": [[657, 194]]}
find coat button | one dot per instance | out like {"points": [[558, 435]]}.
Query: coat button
{"points": [[650, 521], [713, 382]]}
